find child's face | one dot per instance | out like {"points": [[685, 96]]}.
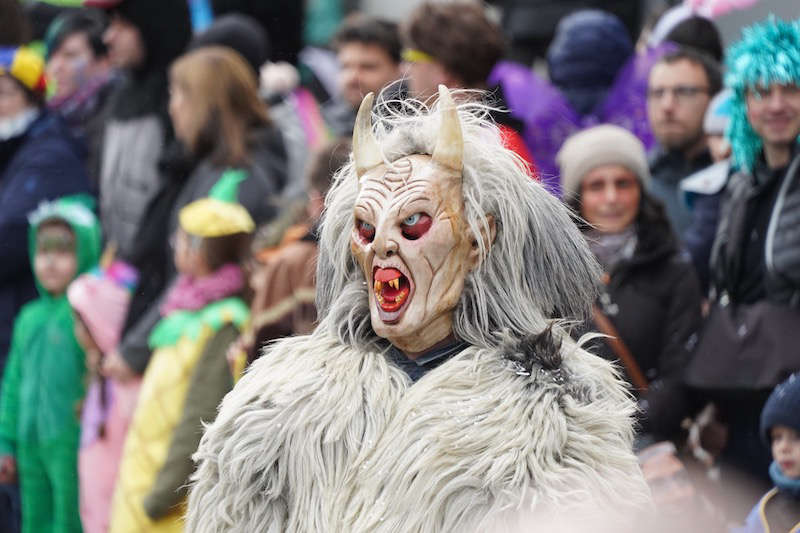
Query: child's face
{"points": [[55, 263], [786, 450], [187, 253]]}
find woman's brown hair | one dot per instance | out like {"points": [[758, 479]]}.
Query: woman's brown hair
{"points": [[221, 89]]}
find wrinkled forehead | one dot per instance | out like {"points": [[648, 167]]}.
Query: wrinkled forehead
{"points": [[411, 174]]}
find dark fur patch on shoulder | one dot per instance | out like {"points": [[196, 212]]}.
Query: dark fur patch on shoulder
{"points": [[536, 351], [538, 356]]}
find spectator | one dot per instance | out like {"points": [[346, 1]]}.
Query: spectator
{"points": [[456, 45], [755, 286], [188, 376], [589, 48], [221, 123], [143, 38], [650, 294], [702, 190], [368, 50], [779, 509], [679, 90], [99, 301], [39, 160], [44, 383], [77, 62]]}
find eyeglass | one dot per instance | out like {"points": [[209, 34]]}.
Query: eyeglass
{"points": [[682, 93]]}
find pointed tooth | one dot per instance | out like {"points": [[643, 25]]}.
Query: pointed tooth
{"points": [[378, 286], [395, 283]]}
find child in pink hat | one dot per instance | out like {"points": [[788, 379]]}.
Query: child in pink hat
{"points": [[99, 301]]}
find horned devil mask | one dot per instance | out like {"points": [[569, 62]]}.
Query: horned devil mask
{"points": [[409, 234]]}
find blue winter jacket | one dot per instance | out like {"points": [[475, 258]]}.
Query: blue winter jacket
{"points": [[46, 162]]}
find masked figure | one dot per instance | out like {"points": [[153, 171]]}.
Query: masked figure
{"points": [[440, 391]]}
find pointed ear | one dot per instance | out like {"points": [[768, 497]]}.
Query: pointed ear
{"points": [[487, 236]]}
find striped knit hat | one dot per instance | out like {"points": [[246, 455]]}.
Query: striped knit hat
{"points": [[25, 66]]}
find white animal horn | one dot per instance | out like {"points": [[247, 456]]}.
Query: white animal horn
{"points": [[450, 143], [366, 153]]}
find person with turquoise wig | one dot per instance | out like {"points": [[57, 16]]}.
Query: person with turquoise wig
{"points": [[748, 344]]}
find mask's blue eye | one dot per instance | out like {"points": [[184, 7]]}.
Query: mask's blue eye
{"points": [[413, 219]]}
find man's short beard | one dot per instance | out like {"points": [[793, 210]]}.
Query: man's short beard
{"points": [[685, 145]]}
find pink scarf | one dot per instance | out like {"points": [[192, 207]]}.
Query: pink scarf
{"points": [[192, 294]]}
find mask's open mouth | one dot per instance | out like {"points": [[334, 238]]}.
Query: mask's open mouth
{"points": [[392, 289]]}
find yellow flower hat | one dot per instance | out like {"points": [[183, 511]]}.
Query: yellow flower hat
{"points": [[219, 214]]}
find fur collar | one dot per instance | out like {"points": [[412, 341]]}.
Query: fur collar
{"points": [[324, 437]]}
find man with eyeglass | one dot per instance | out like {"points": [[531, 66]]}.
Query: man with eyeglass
{"points": [[680, 88]]}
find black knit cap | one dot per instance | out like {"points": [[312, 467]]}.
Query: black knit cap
{"points": [[782, 408], [242, 33]]}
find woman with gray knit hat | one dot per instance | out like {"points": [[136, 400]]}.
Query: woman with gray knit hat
{"points": [[649, 296]]}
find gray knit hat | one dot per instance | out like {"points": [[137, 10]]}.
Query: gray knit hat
{"points": [[606, 144]]}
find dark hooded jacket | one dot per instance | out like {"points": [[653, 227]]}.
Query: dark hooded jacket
{"points": [[139, 127], [653, 300], [44, 163]]}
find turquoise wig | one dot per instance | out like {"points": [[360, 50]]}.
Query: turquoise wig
{"points": [[768, 53]]}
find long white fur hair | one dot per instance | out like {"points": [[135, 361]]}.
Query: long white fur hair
{"points": [[538, 268]]}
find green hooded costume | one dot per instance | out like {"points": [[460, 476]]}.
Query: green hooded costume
{"points": [[44, 384]]}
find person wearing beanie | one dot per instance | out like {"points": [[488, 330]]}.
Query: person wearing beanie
{"points": [[779, 509], [188, 375], [99, 301], [39, 160], [44, 381], [755, 259], [649, 293], [143, 38]]}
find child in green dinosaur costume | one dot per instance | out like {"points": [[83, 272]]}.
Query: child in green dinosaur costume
{"points": [[43, 384], [188, 374]]}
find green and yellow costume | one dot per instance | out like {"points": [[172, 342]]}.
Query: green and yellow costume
{"points": [[184, 382], [44, 385]]}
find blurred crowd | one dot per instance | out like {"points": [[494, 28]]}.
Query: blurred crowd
{"points": [[163, 169]]}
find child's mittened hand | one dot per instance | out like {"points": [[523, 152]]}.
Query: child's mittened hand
{"points": [[115, 367], [8, 469]]}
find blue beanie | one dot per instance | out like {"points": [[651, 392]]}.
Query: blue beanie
{"points": [[782, 408], [589, 48]]}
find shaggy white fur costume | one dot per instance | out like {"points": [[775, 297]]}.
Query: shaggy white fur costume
{"points": [[322, 437]]}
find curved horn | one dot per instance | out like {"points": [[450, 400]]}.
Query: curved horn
{"points": [[366, 153], [450, 143]]}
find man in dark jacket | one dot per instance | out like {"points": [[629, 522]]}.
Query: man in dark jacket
{"points": [[755, 261], [39, 160], [679, 90]]}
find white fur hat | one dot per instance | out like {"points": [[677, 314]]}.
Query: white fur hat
{"points": [[606, 144]]}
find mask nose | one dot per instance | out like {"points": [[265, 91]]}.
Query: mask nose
{"points": [[384, 244]]}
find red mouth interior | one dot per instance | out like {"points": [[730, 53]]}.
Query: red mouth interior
{"points": [[391, 288]]}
